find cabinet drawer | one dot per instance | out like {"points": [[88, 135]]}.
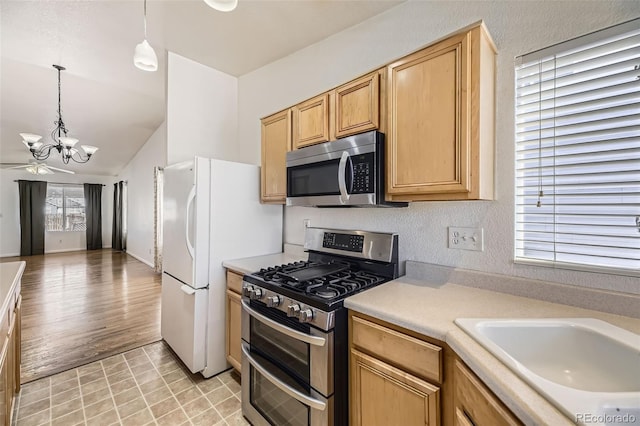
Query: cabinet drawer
{"points": [[475, 404], [234, 282], [413, 355]]}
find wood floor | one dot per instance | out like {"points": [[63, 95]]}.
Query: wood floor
{"points": [[83, 306]]}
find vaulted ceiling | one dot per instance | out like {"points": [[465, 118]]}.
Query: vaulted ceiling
{"points": [[109, 103]]}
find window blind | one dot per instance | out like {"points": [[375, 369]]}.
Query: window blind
{"points": [[577, 197], [65, 208]]}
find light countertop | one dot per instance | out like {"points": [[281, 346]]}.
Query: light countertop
{"points": [[430, 309], [10, 275], [248, 265]]}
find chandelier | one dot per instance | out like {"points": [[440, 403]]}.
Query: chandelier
{"points": [[63, 144]]}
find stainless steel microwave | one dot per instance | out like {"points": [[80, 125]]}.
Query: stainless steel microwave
{"points": [[348, 172]]}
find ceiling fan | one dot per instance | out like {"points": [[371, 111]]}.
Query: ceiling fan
{"points": [[35, 167]]}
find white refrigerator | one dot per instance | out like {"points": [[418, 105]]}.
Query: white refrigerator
{"points": [[211, 213]]}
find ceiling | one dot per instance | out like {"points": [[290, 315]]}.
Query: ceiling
{"points": [[109, 103]]}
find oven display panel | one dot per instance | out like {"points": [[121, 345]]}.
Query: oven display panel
{"points": [[347, 242]]}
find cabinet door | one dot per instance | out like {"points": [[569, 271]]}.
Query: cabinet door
{"points": [[10, 365], [234, 315], [474, 402], [5, 386], [311, 121], [17, 333], [357, 106], [383, 395], [276, 141], [427, 140]]}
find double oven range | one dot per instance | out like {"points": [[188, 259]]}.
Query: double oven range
{"points": [[294, 327]]}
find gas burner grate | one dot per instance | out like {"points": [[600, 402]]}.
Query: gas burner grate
{"points": [[336, 285]]}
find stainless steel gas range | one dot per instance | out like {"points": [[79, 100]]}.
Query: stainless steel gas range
{"points": [[294, 327]]}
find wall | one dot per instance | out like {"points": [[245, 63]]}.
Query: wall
{"points": [[202, 106], [54, 241], [140, 190], [517, 27]]}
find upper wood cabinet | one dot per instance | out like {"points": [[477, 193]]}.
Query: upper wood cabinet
{"points": [[435, 106], [276, 141], [311, 121], [440, 135], [357, 105]]}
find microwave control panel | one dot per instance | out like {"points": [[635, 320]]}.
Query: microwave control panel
{"points": [[362, 174], [345, 242]]}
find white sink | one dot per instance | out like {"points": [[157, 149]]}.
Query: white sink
{"points": [[588, 368]]}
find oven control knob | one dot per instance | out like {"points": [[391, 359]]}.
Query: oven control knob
{"points": [[306, 315], [273, 301], [256, 294], [246, 291], [293, 310]]}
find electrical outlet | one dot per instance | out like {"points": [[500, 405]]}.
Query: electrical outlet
{"points": [[306, 222], [466, 238]]}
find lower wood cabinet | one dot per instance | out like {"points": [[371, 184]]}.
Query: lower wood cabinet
{"points": [[384, 395], [475, 404], [6, 396], [400, 377], [17, 338], [233, 320], [395, 378], [10, 357]]}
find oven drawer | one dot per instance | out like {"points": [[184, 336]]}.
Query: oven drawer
{"points": [[271, 398], [413, 355]]}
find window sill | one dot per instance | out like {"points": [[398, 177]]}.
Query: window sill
{"points": [[577, 267]]}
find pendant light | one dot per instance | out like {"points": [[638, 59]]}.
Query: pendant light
{"points": [[145, 57], [222, 5]]}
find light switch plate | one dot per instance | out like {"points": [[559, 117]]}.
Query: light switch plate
{"points": [[466, 238]]}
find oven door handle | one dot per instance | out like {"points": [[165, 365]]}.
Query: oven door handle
{"points": [[299, 396], [312, 340]]}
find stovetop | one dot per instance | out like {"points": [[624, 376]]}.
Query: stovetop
{"points": [[321, 284], [341, 263], [323, 280]]}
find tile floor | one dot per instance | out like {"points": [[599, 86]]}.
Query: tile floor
{"points": [[145, 386]]}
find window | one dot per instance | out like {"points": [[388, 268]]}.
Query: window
{"points": [[64, 209], [578, 153]]}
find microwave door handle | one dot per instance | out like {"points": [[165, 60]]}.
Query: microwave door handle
{"points": [[342, 182], [295, 394]]}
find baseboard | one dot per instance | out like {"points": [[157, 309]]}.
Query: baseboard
{"points": [[141, 259], [66, 250], [10, 255]]}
